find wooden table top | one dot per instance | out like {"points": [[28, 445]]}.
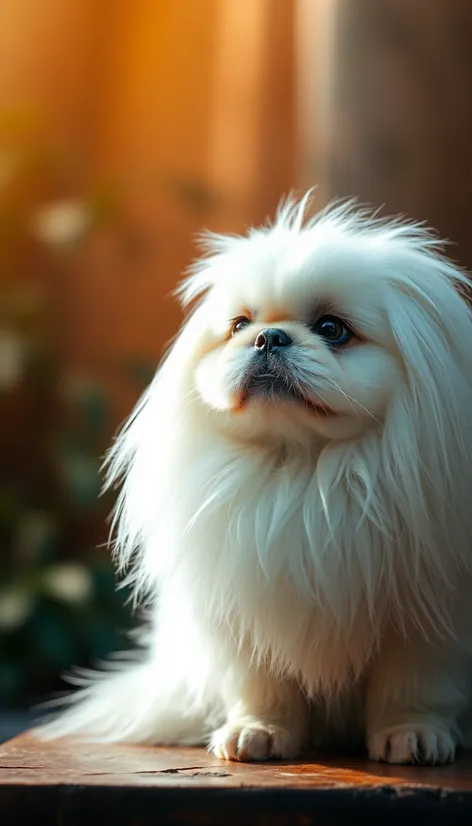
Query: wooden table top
{"points": [[70, 783]]}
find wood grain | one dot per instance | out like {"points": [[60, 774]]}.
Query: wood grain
{"points": [[70, 783]]}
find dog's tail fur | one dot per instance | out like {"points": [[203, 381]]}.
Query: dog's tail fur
{"points": [[135, 701]]}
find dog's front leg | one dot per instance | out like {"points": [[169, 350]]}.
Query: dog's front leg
{"points": [[266, 718], [415, 696]]}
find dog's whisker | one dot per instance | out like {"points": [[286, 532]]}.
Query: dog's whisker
{"points": [[354, 402]]}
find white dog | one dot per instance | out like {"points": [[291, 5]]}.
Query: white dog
{"points": [[297, 503]]}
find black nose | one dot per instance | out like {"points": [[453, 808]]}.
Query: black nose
{"points": [[272, 339]]}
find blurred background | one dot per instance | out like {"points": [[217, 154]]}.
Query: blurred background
{"points": [[125, 127]]}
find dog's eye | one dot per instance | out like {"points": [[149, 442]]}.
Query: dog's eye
{"points": [[239, 324], [333, 329]]}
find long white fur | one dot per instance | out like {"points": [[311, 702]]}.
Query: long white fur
{"points": [[290, 570]]}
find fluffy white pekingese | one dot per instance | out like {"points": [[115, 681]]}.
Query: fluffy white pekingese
{"points": [[296, 503]]}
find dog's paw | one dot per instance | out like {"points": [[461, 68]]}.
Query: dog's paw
{"points": [[418, 743], [253, 742]]}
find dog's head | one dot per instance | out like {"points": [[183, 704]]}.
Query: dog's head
{"points": [[322, 330]]}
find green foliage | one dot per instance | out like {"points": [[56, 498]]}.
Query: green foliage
{"points": [[47, 632], [59, 604]]}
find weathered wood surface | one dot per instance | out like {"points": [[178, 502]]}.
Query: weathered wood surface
{"points": [[70, 783]]}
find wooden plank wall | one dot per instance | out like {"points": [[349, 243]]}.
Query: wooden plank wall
{"points": [[195, 112], [399, 114], [188, 106]]}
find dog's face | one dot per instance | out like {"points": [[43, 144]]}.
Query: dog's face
{"points": [[295, 336]]}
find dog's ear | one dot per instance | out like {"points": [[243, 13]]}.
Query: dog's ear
{"points": [[428, 433], [143, 459]]}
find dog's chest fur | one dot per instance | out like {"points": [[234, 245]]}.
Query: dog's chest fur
{"points": [[298, 579]]}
